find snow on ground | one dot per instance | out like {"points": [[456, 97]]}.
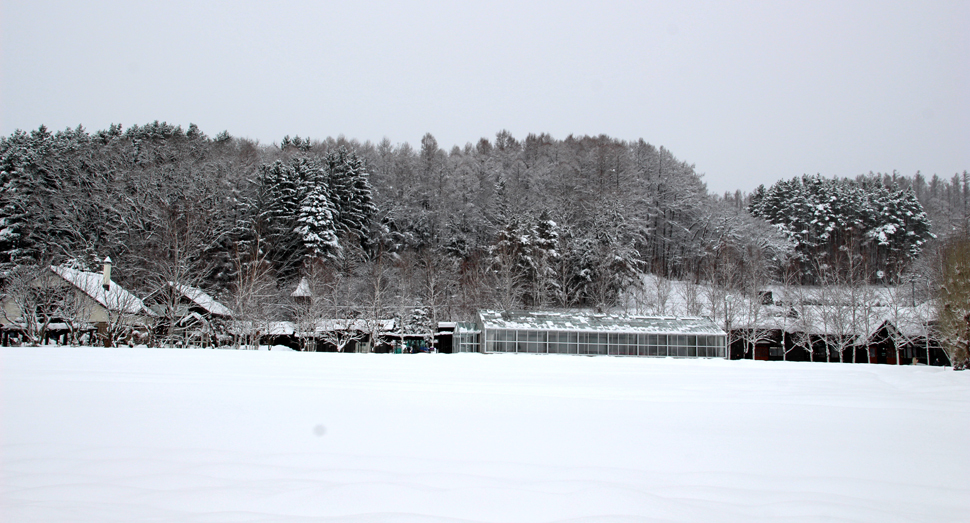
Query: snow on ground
{"points": [[132, 435]]}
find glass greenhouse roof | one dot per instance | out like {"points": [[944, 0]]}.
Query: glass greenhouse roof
{"points": [[593, 322]]}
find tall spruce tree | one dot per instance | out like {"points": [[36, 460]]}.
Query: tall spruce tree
{"points": [[317, 226], [281, 196], [350, 191]]}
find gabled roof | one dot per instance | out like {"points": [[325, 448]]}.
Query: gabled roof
{"points": [[115, 298], [203, 300], [593, 322]]}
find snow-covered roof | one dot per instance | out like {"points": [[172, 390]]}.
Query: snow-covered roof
{"points": [[115, 298], [337, 324], [52, 326], [593, 322], [191, 317], [825, 310], [463, 327], [302, 290], [272, 328], [877, 295], [279, 328], [830, 320], [679, 296], [289, 328], [202, 299]]}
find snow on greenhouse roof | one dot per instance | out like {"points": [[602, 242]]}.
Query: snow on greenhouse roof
{"points": [[115, 298], [202, 299], [593, 322]]}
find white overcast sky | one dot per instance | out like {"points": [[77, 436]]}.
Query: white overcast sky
{"points": [[750, 92]]}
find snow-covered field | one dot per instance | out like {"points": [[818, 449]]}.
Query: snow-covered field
{"points": [[132, 435]]}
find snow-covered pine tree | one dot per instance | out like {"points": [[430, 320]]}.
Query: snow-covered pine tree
{"points": [[615, 262], [310, 208], [901, 228], [505, 265], [280, 192], [544, 259], [14, 193], [316, 225], [350, 191], [830, 221], [32, 167]]}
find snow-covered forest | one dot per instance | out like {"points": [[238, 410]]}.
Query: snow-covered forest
{"points": [[384, 229]]}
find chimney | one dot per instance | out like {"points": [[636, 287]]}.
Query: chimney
{"points": [[106, 282]]}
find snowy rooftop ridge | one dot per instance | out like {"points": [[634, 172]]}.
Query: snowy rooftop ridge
{"points": [[115, 298], [302, 290], [596, 322], [202, 299]]}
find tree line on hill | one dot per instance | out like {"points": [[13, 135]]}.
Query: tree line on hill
{"points": [[429, 234]]}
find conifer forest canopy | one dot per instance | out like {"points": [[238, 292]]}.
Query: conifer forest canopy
{"points": [[504, 222]]}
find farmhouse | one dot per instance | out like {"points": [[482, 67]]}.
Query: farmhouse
{"points": [[66, 303], [577, 332]]}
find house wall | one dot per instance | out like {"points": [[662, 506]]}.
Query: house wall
{"points": [[11, 312], [91, 310]]}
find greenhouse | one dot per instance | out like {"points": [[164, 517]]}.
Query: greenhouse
{"points": [[573, 332]]}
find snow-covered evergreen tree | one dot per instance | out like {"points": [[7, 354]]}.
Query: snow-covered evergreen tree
{"points": [[281, 205], [350, 191], [831, 220], [311, 207], [316, 225]]}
